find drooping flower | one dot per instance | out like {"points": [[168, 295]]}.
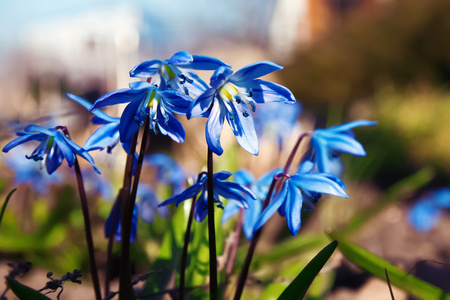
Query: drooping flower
{"points": [[171, 73], [259, 188], [232, 191], [146, 100], [230, 96], [167, 171], [295, 192], [29, 173], [54, 147], [326, 143], [425, 214]]}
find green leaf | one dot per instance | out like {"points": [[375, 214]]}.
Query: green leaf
{"points": [[399, 278], [6, 203], [298, 287], [24, 292]]}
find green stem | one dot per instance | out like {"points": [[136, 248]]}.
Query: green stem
{"points": [[213, 294]]}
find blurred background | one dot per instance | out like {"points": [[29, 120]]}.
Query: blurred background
{"points": [[383, 60]]}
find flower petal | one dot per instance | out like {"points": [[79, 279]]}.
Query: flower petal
{"points": [[318, 183], [23, 139], [202, 62], [200, 106], [242, 125], [265, 92], [181, 58], [255, 70], [119, 96], [220, 76], [214, 127], [351, 125], [175, 102], [272, 207], [169, 125], [146, 69], [294, 201], [128, 125]]}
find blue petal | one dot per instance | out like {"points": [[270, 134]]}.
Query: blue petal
{"points": [[202, 62], [222, 175], [220, 76], [119, 96], [351, 125], [242, 125], [272, 207], [231, 208], [306, 167], [22, 139], [294, 201], [128, 125], [65, 149], [244, 177], [265, 92], [139, 85], [250, 217], [105, 136], [188, 193], [318, 183], [214, 127], [342, 143], [200, 106], [54, 160], [181, 58], [255, 70], [175, 101], [98, 113], [146, 69], [201, 208], [169, 125], [37, 128]]}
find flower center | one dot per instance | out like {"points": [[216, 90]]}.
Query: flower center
{"points": [[228, 91]]}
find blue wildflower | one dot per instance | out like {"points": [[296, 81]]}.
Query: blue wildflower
{"points": [[295, 191], [146, 100], [230, 96], [113, 223], [54, 147], [260, 188], [26, 172], [167, 171], [327, 143], [229, 190], [170, 74], [425, 214]]}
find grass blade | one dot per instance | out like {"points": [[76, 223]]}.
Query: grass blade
{"points": [[6, 203], [298, 287]]}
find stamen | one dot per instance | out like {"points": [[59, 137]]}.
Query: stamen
{"points": [[245, 114], [250, 92]]}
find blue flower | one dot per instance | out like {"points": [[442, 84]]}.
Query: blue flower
{"points": [[327, 143], [295, 191], [260, 188], [168, 171], [230, 96], [147, 205], [146, 100], [425, 214], [229, 190], [29, 173], [54, 147], [170, 74]]}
